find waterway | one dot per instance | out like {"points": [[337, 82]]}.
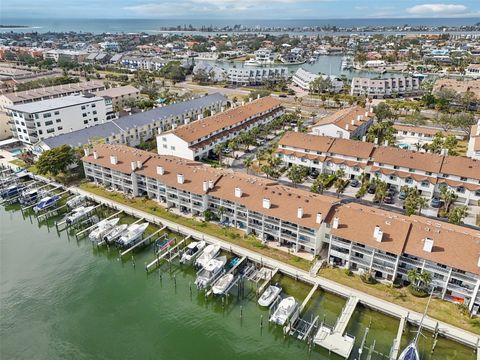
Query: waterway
{"points": [[63, 299]]}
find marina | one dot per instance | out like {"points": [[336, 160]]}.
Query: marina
{"points": [[240, 285]]}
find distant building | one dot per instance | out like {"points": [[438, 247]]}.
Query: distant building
{"points": [[264, 56], [120, 95], [215, 73], [142, 63], [374, 64], [459, 86], [409, 136], [47, 118], [256, 75], [473, 71], [474, 142], [385, 88], [72, 55], [303, 78], [348, 123]]}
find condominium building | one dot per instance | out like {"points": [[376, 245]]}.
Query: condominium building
{"points": [[143, 63], [120, 95], [473, 150], [134, 128], [348, 235], [412, 137], [72, 55], [385, 88], [459, 86], [303, 79], [47, 118], [22, 97], [473, 71], [256, 75], [196, 140], [397, 167], [348, 123]]}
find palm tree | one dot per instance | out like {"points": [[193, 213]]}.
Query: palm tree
{"points": [[421, 203], [381, 192], [448, 197], [221, 212], [340, 185], [218, 150], [248, 162], [413, 276]]}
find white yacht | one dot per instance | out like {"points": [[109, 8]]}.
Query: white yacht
{"points": [[115, 233], [269, 295], [210, 272], [77, 214], [222, 284], [284, 311], [133, 233], [192, 251], [102, 228], [208, 253], [75, 201]]}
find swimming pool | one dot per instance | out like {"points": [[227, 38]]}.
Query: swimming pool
{"points": [[16, 152]]}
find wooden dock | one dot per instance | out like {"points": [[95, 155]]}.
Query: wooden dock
{"points": [[398, 339]]}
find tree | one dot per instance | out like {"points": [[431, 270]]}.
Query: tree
{"points": [[448, 197], [456, 215], [463, 121], [297, 174], [218, 150], [56, 160], [322, 84], [381, 191], [419, 280], [383, 112], [248, 162], [340, 185], [422, 203]]}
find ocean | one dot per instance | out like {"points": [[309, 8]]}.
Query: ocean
{"points": [[99, 26]]}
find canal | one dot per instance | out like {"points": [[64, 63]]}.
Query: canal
{"points": [[64, 299]]}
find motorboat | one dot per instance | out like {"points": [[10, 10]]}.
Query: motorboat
{"points": [[102, 228], [222, 284], [29, 196], [132, 234], [77, 214], [192, 251], [212, 269], [46, 203], [269, 295], [75, 201], [11, 191], [115, 233], [411, 351], [284, 310], [208, 253]]}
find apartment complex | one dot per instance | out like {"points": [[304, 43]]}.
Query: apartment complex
{"points": [[411, 137], [459, 86], [473, 70], [256, 75], [348, 123], [196, 140], [22, 97], [136, 127], [121, 95], [398, 167], [71, 55], [47, 118], [303, 79], [348, 235], [385, 88], [473, 150]]}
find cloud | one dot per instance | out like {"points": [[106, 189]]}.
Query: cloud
{"points": [[438, 9]]}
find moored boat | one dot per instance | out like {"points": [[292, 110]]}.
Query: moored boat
{"points": [[46, 203], [210, 272], [222, 284], [192, 251], [208, 253], [102, 228], [77, 214], [284, 310], [114, 233], [269, 295], [132, 235]]}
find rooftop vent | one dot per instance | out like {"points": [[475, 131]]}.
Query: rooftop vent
{"points": [[160, 170], [95, 155], [210, 184], [113, 160], [86, 151], [319, 218], [266, 203], [180, 178], [205, 186], [378, 234], [300, 213], [133, 165], [238, 192], [336, 220], [428, 245]]}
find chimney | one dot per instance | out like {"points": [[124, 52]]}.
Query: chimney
{"points": [[186, 120], [205, 186], [250, 99], [199, 116], [160, 170], [300, 213], [335, 222], [375, 141], [139, 164], [133, 164], [95, 155], [346, 127], [113, 160], [238, 192], [222, 109], [180, 178], [359, 117], [366, 114], [364, 138], [353, 122], [428, 245], [210, 184], [385, 143], [243, 103], [86, 151], [266, 203], [319, 218], [378, 234]]}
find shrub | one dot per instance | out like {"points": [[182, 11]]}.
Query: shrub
{"points": [[348, 272], [368, 278], [418, 292]]}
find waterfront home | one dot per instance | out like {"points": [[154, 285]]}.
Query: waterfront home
{"points": [[349, 235], [385, 88], [410, 137], [348, 123], [253, 75], [398, 167], [197, 140], [303, 79]]}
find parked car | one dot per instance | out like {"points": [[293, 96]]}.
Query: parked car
{"points": [[391, 191], [354, 183], [402, 195], [436, 202], [371, 189], [388, 199], [282, 95], [313, 174]]}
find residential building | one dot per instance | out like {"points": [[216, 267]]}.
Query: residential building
{"points": [[71, 55], [385, 88], [134, 128], [349, 235], [303, 78], [22, 97], [459, 86], [120, 95], [413, 137], [264, 56], [473, 150], [473, 71], [397, 167], [43, 119], [256, 75], [196, 140], [143, 63], [348, 123]]}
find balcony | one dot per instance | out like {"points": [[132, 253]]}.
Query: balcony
{"points": [[464, 277], [338, 254], [460, 289]]}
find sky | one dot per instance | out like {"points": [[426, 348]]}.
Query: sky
{"points": [[237, 9]]}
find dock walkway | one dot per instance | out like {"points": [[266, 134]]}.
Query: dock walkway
{"points": [[468, 338]]}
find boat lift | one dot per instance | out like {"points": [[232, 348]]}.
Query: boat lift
{"points": [[160, 256], [103, 242], [28, 207], [147, 240], [47, 214], [92, 227], [235, 281], [62, 225]]}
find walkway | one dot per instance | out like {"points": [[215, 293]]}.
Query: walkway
{"points": [[449, 331]]}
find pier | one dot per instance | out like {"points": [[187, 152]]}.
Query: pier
{"points": [[92, 227], [155, 262], [146, 240], [398, 339]]}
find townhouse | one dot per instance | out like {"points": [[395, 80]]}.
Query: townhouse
{"points": [[348, 235], [134, 128], [385, 88], [303, 79], [413, 137], [398, 167], [473, 150], [256, 75], [349, 123], [197, 140], [459, 86], [120, 95]]}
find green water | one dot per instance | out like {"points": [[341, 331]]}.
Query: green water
{"points": [[63, 299]]}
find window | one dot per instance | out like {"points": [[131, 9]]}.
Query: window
{"points": [[463, 178], [172, 148], [477, 193], [411, 170], [396, 167], [164, 138], [48, 123], [392, 177], [460, 189], [409, 180], [428, 173], [60, 128], [84, 114], [36, 116], [38, 124], [56, 113], [49, 131], [83, 107], [94, 112], [85, 122], [93, 105], [356, 169], [58, 120], [425, 183], [445, 176], [40, 132], [165, 146], [95, 119], [47, 115]]}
